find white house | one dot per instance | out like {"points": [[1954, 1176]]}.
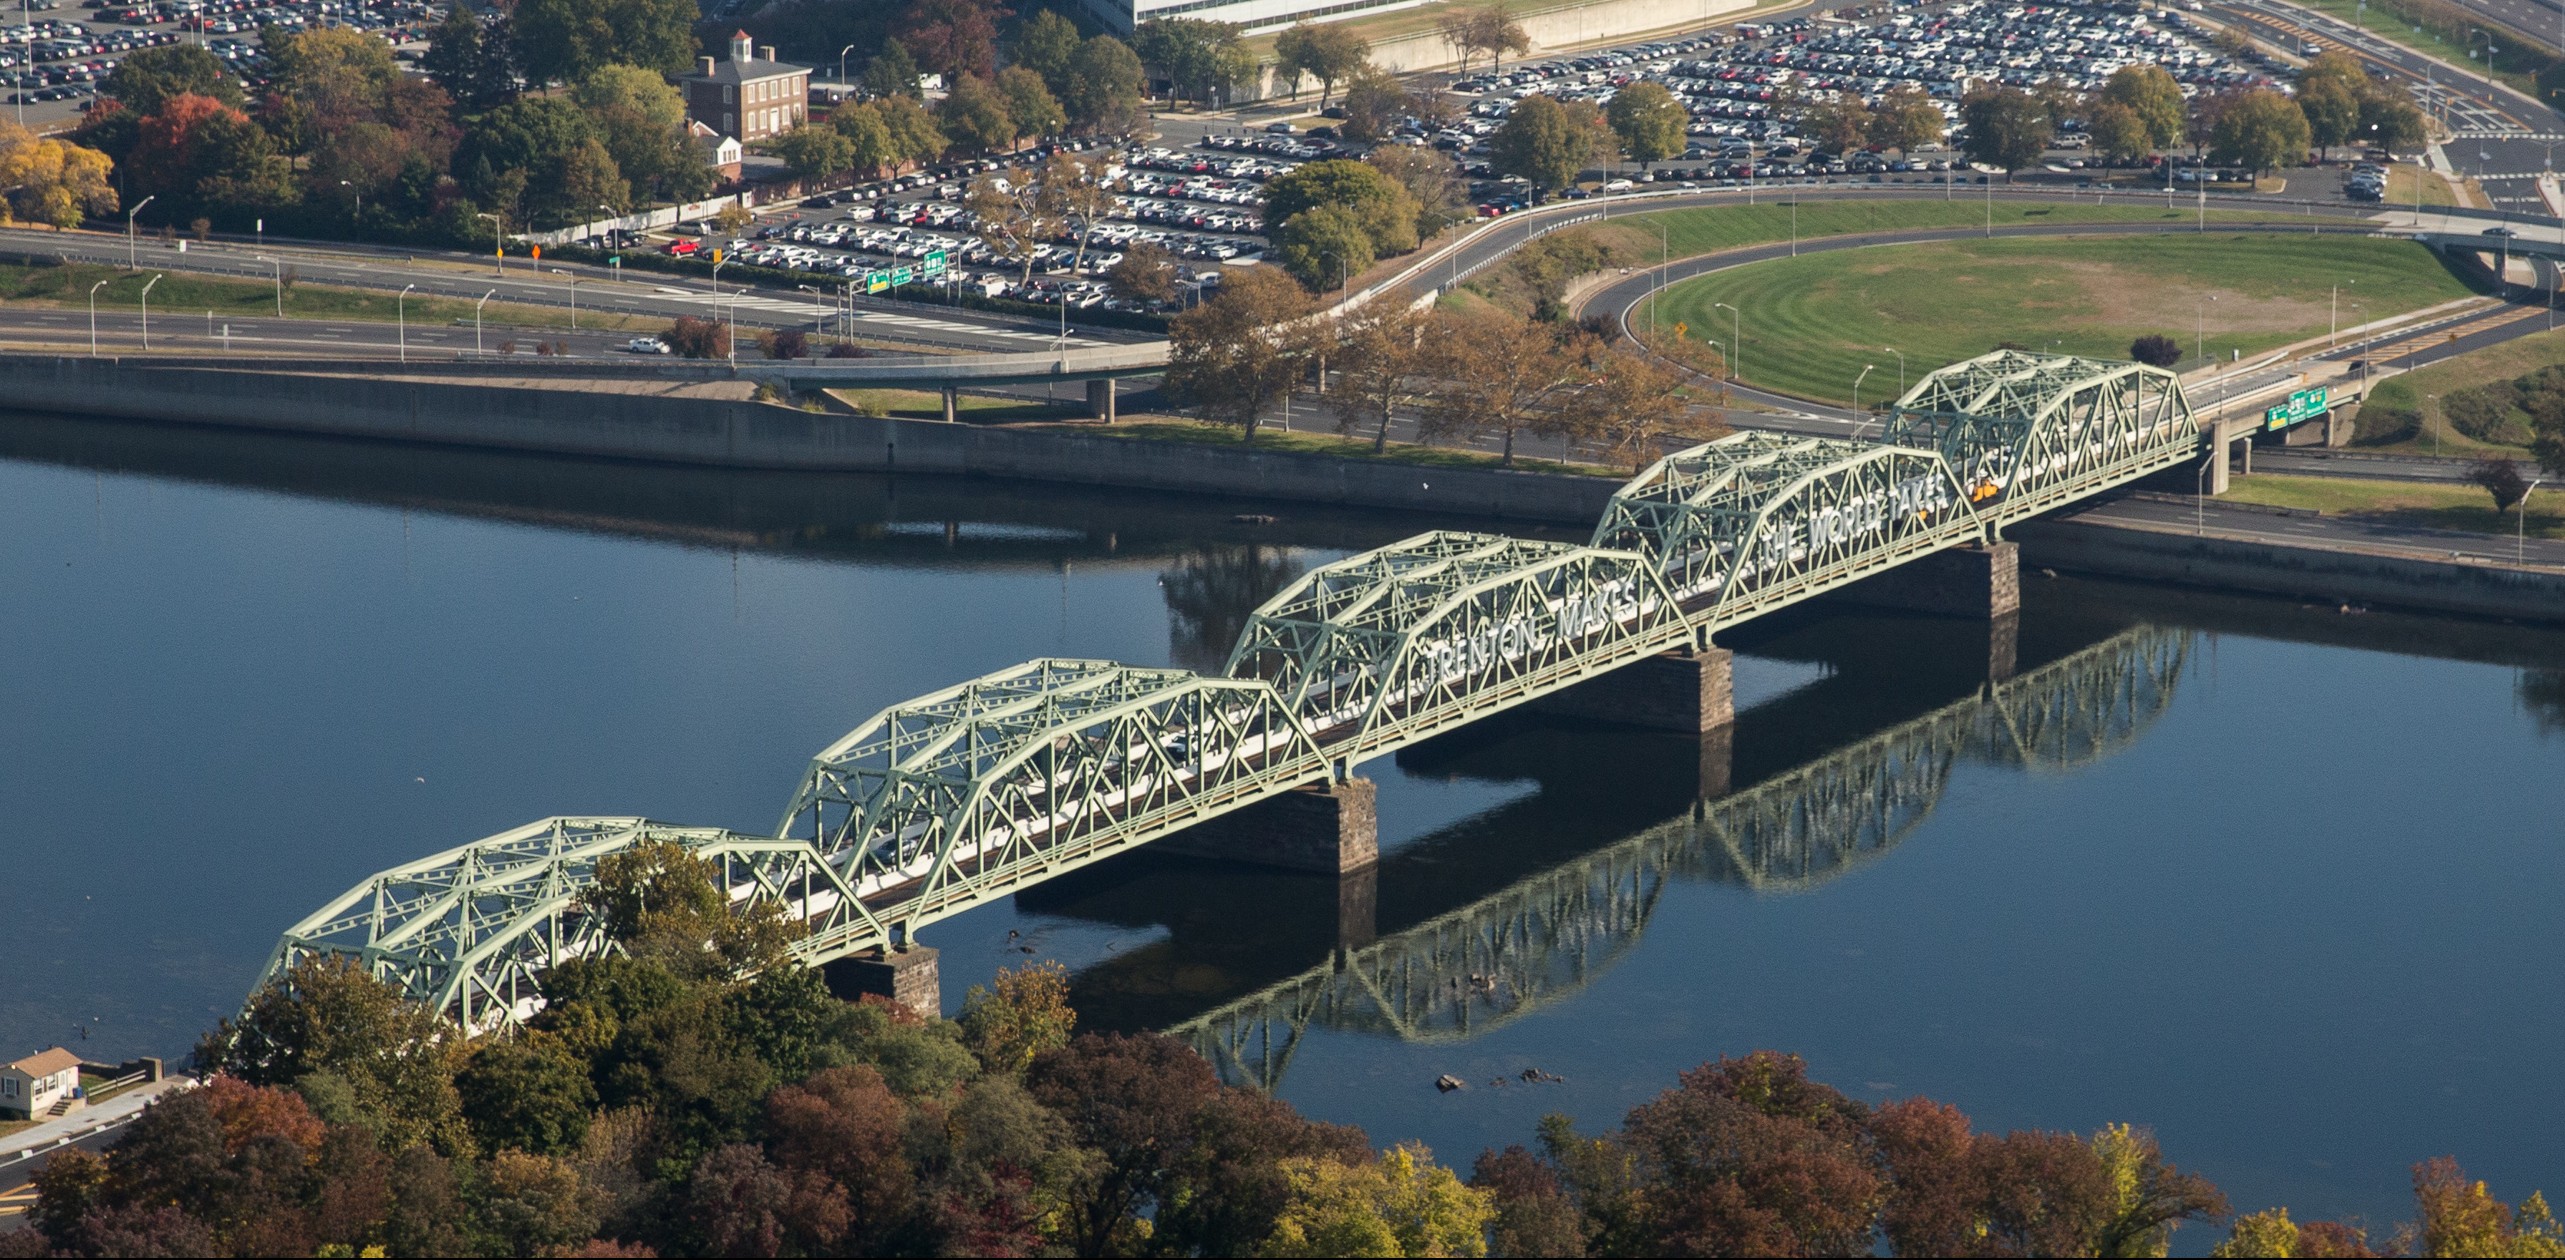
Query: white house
{"points": [[33, 1086]]}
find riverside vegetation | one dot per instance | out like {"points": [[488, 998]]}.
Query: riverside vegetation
{"points": [[694, 1094]]}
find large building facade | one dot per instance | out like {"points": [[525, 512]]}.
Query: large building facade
{"points": [[752, 96]]}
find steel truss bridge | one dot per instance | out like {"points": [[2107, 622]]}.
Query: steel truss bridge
{"points": [[938, 804], [1471, 970]]}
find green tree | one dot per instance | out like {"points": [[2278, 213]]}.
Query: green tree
{"points": [[661, 902], [2150, 92], [469, 57], [1324, 246], [1025, 1012], [870, 148], [2007, 128], [148, 77], [1373, 102], [1147, 273], [814, 150], [328, 1017], [1327, 52], [2459, 1216], [532, 1205], [1432, 181], [1398, 1205], [2389, 118], [1199, 58], [1906, 120], [1841, 124], [1029, 104], [892, 72], [1650, 122], [975, 116], [2332, 111], [1234, 355], [526, 1093], [642, 121], [2261, 131], [560, 41], [1047, 44], [2149, 1197], [2269, 1233], [1550, 142], [518, 160], [2118, 133], [1105, 93], [1375, 201], [914, 132]]}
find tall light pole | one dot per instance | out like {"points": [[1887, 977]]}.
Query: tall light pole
{"points": [[1901, 369], [1856, 398], [146, 310], [498, 252], [93, 317], [130, 256], [279, 265], [573, 282], [358, 213], [1736, 338], [401, 312], [1665, 250], [841, 66], [476, 320], [617, 216], [2520, 532]]}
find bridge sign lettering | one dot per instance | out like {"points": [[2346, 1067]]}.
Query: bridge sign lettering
{"points": [[2305, 404]]}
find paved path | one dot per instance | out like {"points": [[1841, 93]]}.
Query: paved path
{"points": [[91, 1128]]}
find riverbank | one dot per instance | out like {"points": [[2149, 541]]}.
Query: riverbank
{"points": [[681, 425]]}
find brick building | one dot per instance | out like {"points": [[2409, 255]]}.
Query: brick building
{"points": [[752, 96]]}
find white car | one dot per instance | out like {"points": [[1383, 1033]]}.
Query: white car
{"points": [[646, 345]]}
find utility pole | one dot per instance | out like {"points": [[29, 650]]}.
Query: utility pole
{"points": [[279, 265], [146, 311], [93, 318], [131, 258], [401, 312], [476, 320]]}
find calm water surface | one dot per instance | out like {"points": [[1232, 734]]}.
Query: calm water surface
{"points": [[2279, 882]]}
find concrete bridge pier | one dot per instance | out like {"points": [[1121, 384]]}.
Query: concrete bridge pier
{"points": [[1323, 828], [906, 975], [1688, 692], [1980, 580], [1100, 399]]}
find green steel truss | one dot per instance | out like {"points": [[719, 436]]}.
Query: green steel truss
{"points": [[1388, 647], [1481, 966], [1753, 521], [471, 930], [2030, 432], [938, 804]]}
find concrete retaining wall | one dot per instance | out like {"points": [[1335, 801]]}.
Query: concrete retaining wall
{"points": [[719, 434], [1556, 29], [2480, 590]]}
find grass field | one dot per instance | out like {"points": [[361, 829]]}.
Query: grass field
{"points": [[2427, 504], [1811, 323], [179, 295], [2420, 390], [2513, 67], [927, 404]]}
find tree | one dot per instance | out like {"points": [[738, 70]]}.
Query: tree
{"points": [[2457, 1216], [664, 905], [642, 121], [1011, 216], [1029, 104], [2261, 131], [1047, 44], [975, 116], [2149, 1197], [468, 56], [323, 80], [520, 159], [1631, 402], [2118, 133], [952, 38], [1324, 246], [1081, 195], [1534, 1214], [1491, 29], [560, 41], [1385, 212], [534, 1205], [813, 150], [2500, 478], [2149, 92], [1382, 367], [1749, 1157], [1327, 52], [844, 1124], [2156, 350], [869, 146], [1432, 180], [329, 1018], [893, 72], [1373, 102], [2332, 111], [1025, 1014], [1841, 124], [1498, 372], [1906, 120], [148, 77], [1105, 91], [2007, 128], [1650, 122], [1235, 354], [2389, 118], [1398, 1205], [1147, 273], [914, 133], [1197, 57], [1550, 142], [526, 1093], [53, 182]]}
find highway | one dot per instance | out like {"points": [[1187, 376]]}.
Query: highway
{"points": [[2211, 518]]}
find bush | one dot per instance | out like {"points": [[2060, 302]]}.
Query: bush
{"points": [[2380, 423], [2501, 478], [698, 338], [2156, 350], [845, 350], [785, 343]]}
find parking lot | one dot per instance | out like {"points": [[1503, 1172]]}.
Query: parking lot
{"points": [[54, 62]]}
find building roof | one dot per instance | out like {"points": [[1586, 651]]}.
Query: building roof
{"points": [[46, 1062], [747, 72]]}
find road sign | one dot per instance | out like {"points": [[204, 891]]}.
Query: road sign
{"points": [[2305, 404], [875, 281], [934, 264], [902, 275]]}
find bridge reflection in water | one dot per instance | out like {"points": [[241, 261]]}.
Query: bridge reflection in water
{"points": [[1473, 969]]}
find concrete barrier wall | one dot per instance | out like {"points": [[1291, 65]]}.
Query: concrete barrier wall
{"points": [[1554, 29], [2479, 590], [720, 434]]}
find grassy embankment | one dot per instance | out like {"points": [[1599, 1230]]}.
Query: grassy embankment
{"points": [[2423, 504], [1811, 323], [180, 295], [2419, 393], [2447, 38]]}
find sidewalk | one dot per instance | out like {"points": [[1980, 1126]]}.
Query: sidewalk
{"points": [[30, 1142]]}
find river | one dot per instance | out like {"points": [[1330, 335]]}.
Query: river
{"points": [[2277, 881]]}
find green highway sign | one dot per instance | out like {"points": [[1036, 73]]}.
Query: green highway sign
{"points": [[2305, 404], [902, 275], [934, 264], [875, 282]]}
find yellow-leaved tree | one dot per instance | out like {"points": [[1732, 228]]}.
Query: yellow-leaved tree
{"points": [[54, 182], [1400, 1204]]}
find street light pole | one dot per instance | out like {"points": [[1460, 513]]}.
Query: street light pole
{"points": [[279, 265], [573, 282], [131, 263], [2520, 532], [1736, 338], [498, 250], [93, 317], [841, 66], [401, 311], [1901, 370], [476, 320], [1856, 398], [146, 310]]}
